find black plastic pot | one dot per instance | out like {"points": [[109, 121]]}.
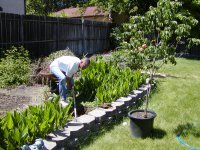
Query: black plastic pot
{"points": [[141, 127]]}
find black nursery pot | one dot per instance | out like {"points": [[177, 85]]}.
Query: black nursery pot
{"points": [[141, 127]]}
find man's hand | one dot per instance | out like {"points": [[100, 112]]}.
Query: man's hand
{"points": [[142, 48], [144, 45]]}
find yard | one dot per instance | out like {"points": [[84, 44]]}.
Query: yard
{"points": [[145, 45], [176, 103]]}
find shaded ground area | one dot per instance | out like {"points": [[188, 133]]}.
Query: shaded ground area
{"points": [[20, 97]]}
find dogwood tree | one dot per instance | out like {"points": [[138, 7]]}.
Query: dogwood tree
{"points": [[155, 36]]}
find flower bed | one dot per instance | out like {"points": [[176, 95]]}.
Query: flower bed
{"points": [[101, 83]]}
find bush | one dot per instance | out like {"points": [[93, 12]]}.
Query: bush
{"points": [[47, 60], [14, 67]]}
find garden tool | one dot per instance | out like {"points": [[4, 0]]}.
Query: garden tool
{"points": [[74, 100]]}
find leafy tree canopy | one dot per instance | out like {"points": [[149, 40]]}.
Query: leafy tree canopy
{"points": [[129, 7], [193, 6], [155, 35], [44, 7]]}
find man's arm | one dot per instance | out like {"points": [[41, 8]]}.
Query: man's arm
{"points": [[69, 83]]}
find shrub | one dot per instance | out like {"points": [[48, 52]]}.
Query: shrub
{"points": [[14, 67]]}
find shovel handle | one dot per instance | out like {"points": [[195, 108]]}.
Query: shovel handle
{"points": [[74, 100]]}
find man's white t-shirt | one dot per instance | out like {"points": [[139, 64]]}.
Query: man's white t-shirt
{"points": [[67, 64]]}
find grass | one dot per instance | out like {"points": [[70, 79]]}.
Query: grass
{"points": [[177, 104]]}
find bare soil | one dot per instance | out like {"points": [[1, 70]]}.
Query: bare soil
{"points": [[106, 105], [20, 97], [141, 115]]}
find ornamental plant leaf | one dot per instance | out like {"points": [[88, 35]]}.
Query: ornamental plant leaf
{"points": [[6, 133], [17, 118], [24, 133], [43, 127], [10, 146], [52, 119], [16, 135], [9, 119], [47, 113]]}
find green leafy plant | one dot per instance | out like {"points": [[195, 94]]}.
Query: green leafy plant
{"points": [[14, 67], [36, 121], [2, 144], [155, 36], [104, 82]]}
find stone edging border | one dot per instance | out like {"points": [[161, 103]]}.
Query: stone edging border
{"points": [[83, 125]]}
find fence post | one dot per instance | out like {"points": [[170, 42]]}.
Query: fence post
{"points": [[57, 34], [83, 37], [22, 30]]}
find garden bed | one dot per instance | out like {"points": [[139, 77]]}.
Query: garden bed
{"points": [[20, 97]]}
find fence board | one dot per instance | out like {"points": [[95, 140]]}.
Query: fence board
{"points": [[43, 35]]}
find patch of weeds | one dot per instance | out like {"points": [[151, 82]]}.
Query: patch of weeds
{"points": [[188, 129]]}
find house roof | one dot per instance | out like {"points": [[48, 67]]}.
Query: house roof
{"points": [[75, 12]]}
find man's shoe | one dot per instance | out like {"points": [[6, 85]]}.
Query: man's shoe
{"points": [[63, 103]]}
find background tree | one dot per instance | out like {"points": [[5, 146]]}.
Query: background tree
{"points": [[155, 35], [193, 6], [45, 7], [36, 7], [151, 39], [129, 7]]}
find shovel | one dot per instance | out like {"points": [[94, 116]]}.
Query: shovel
{"points": [[74, 100]]}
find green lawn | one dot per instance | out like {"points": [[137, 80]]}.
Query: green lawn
{"points": [[177, 104]]}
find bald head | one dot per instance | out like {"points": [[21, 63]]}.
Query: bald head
{"points": [[85, 62]]}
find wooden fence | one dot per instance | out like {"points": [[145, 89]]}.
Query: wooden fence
{"points": [[43, 35]]}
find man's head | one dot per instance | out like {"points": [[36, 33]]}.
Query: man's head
{"points": [[85, 62]]}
